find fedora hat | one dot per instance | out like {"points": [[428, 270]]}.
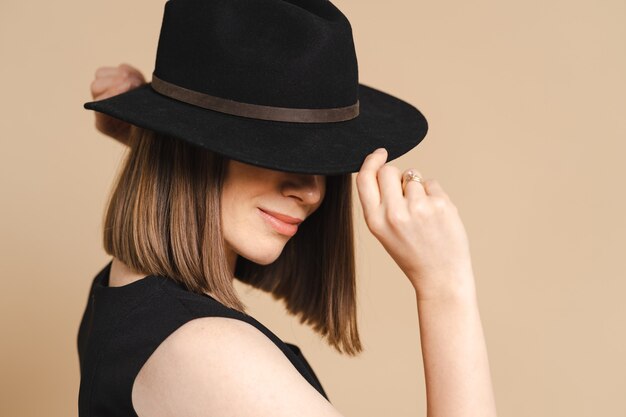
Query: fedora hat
{"points": [[272, 83]]}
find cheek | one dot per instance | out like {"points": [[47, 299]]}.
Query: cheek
{"points": [[239, 219]]}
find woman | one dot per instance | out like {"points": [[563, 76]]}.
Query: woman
{"points": [[164, 333]]}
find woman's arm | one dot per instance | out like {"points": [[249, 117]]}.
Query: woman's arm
{"points": [[456, 367], [109, 82], [421, 229], [220, 366], [223, 366]]}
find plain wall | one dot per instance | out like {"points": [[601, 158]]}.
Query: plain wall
{"points": [[526, 103]]}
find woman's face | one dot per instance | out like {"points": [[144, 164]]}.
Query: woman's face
{"points": [[250, 194]]}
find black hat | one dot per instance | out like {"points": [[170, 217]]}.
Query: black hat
{"points": [[272, 83]]}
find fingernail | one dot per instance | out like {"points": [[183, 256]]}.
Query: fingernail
{"points": [[380, 150]]}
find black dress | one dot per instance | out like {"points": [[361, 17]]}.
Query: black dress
{"points": [[122, 326]]}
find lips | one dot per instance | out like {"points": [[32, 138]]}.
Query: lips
{"points": [[280, 226], [283, 217]]}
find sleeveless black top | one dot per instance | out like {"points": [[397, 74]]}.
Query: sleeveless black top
{"points": [[122, 326]]}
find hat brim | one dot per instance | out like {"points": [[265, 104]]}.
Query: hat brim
{"points": [[310, 148]]}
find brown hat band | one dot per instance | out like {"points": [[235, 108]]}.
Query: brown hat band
{"points": [[256, 111]]}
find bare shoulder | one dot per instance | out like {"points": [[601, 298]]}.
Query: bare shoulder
{"points": [[222, 366]]}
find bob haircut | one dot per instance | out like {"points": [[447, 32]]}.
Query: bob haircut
{"points": [[163, 218]]}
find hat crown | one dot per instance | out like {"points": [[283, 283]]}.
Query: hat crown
{"points": [[297, 53]]}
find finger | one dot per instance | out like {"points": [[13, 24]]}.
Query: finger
{"points": [[115, 90], [135, 77], [389, 181], [433, 188], [136, 81], [366, 181], [106, 71], [413, 190], [132, 72], [99, 85], [119, 74]]}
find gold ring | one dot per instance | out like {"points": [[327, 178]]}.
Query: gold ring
{"points": [[410, 176]]}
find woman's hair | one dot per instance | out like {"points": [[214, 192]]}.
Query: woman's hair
{"points": [[163, 218]]}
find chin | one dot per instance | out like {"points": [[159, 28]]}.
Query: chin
{"points": [[263, 254], [264, 258]]}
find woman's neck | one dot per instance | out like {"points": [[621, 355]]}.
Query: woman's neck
{"points": [[120, 274]]}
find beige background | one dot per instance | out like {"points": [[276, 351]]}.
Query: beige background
{"points": [[526, 102]]}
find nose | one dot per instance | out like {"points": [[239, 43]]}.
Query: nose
{"points": [[306, 187]]}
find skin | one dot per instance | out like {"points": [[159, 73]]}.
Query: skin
{"points": [[419, 227], [247, 187], [246, 233]]}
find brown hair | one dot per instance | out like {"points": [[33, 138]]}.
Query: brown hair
{"points": [[163, 218]]}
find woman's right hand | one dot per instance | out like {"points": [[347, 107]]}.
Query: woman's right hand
{"points": [[420, 228], [111, 81]]}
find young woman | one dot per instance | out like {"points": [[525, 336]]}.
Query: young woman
{"points": [[164, 332]]}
